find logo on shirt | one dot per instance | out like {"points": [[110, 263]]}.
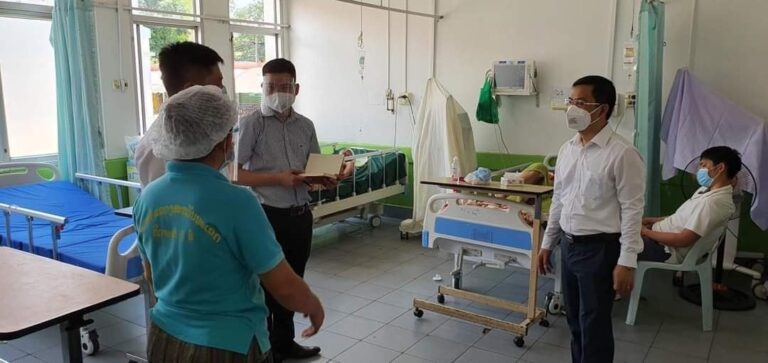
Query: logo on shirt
{"points": [[178, 211]]}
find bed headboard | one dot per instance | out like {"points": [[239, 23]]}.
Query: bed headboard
{"points": [[26, 173]]}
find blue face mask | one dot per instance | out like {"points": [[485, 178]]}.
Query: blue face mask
{"points": [[703, 177]]}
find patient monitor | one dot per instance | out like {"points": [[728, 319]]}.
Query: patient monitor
{"points": [[515, 77]]}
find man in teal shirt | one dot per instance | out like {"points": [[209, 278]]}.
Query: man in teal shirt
{"points": [[206, 244]]}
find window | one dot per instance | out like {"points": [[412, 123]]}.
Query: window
{"points": [[253, 10], [251, 51], [27, 89], [166, 8], [34, 2], [150, 39]]}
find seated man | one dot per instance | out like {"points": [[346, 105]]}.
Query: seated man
{"points": [[670, 238], [207, 246]]}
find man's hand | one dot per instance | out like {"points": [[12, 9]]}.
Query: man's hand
{"points": [[316, 316], [623, 280], [329, 183], [291, 178], [544, 266], [644, 231]]}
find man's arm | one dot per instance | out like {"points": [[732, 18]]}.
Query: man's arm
{"points": [[684, 238], [629, 172], [552, 232], [288, 179], [294, 294]]}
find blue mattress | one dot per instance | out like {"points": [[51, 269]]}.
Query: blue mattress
{"points": [[85, 237]]}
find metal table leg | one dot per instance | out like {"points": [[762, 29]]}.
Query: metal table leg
{"points": [[70, 340]]}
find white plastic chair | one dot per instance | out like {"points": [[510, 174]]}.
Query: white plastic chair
{"points": [[698, 259]]}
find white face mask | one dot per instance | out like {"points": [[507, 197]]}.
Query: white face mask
{"points": [[279, 101], [579, 119]]}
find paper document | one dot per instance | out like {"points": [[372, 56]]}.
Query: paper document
{"points": [[320, 165]]}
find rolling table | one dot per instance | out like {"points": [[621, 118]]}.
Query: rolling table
{"points": [[39, 292], [124, 212], [533, 314]]}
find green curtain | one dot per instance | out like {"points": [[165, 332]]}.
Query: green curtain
{"points": [[648, 108], [78, 103]]}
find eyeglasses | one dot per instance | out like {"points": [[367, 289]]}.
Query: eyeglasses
{"points": [[580, 103], [279, 87]]}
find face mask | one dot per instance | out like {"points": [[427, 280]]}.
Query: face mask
{"points": [[579, 119], [279, 101], [702, 176], [229, 158]]}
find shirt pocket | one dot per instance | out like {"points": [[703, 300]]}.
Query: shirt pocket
{"points": [[593, 188]]}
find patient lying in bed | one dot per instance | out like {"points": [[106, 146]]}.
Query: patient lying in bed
{"points": [[535, 174]]}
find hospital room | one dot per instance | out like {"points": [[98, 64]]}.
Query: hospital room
{"points": [[365, 181]]}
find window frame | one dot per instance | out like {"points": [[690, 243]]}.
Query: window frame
{"points": [[138, 21], [30, 12]]}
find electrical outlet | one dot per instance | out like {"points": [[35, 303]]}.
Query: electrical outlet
{"points": [[117, 84], [631, 99], [404, 98], [557, 102]]}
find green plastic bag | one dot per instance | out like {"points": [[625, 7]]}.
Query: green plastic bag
{"points": [[487, 109]]}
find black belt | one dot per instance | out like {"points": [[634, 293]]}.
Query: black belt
{"points": [[598, 237], [291, 211]]}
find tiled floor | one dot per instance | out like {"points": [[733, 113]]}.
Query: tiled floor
{"points": [[367, 280]]}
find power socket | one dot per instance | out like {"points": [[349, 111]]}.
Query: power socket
{"points": [[404, 98], [631, 99]]}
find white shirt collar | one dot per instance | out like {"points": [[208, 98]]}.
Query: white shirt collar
{"points": [[601, 139]]}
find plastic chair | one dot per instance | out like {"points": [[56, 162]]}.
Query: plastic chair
{"points": [[698, 259]]}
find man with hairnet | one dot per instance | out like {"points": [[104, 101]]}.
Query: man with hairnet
{"points": [[207, 245]]}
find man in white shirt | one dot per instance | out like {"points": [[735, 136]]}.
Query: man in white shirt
{"points": [[182, 65], [597, 208], [709, 208]]}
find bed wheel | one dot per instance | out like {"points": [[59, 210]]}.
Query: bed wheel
{"points": [[441, 298], [544, 323], [89, 342], [553, 304], [519, 341], [374, 221], [418, 313], [404, 235]]}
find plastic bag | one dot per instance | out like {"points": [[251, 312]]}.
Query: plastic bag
{"points": [[487, 108], [481, 176]]}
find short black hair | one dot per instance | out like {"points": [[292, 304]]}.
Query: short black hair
{"points": [[603, 91], [279, 65], [724, 154], [179, 60]]}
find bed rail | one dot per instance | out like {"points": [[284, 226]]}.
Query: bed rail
{"points": [[57, 224], [117, 183], [373, 154]]}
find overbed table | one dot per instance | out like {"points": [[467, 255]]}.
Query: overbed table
{"points": [[532, 313], [38, 292]]}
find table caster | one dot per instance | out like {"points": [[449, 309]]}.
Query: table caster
{"points": [[519, 341], [441, 298], [418, 313]]}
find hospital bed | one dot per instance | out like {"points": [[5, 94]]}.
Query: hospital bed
{"points": [[53, 218], [494, 237], [378, 174]]}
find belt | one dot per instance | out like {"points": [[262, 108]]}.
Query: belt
{"points": [[598, 237], [291, 211]]}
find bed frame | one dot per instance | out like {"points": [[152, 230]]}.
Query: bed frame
{"points": [[364, 205]]}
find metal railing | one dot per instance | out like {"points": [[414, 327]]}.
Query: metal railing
{"points": [[373, 154], [118, 184], [57, 224]]}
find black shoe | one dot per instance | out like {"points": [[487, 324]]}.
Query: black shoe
{"points": [[296, 351]]}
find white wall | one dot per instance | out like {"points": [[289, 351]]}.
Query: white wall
{"points": [[730, 51], [323, 45], [568, 39]]}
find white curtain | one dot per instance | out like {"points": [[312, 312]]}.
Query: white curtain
{"points": [[443, 131]]}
